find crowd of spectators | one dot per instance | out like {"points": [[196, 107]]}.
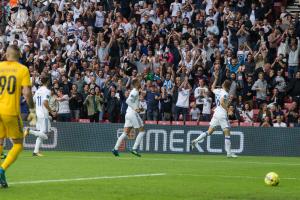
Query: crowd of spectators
{"points": [[91, 50]]}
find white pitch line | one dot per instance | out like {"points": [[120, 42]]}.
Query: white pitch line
{"points": [[226, 160], [85, 179], [227, 176]]}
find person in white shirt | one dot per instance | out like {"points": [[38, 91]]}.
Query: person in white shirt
{"points": [[132, 120], [220, 117], [247, 113], [41, 99], [183, 100], [279, 122], [199, 93], [100, 18], [206, 112], [64, 112], [195, 112], [175, 7]]}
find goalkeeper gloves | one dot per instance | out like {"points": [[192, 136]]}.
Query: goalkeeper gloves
{"points": [[32, 117]]}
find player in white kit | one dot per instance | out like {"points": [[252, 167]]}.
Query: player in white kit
{"points": [[132, 120], [41, 99], [220, 116]]}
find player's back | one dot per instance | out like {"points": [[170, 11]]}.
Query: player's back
{"points": [[219, 94], [133, 101], [42, 94], [13, 76]]}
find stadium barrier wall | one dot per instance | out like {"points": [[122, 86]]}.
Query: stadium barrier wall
{"points": [[96, 137]]}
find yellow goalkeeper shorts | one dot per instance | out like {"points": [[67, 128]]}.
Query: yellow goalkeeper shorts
{"points": [[11, 127]]}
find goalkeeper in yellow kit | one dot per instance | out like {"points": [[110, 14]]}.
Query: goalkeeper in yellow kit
{"points": [[14, 80]]}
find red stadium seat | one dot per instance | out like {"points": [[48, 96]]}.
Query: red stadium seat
{"points": [[150, 122], [178, 123], [246, 124], [84, 120], [203, 123], [255, 111], [191, 123], [256, 124], [164, 122]]}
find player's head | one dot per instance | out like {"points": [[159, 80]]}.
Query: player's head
{"points": [[136, 83], [44, 80], [226, 85], [13, 53]]}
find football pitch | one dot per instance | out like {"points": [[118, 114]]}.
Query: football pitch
{"points": [[68, 175]]}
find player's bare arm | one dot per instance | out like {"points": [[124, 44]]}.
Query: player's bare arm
{"points": [[28, 96], [216, 76]]}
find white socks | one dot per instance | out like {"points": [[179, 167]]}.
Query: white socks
{"points": [[38, 144], [227, 144], [39, 134], [138, 140], [201, 137], [119, 141]]}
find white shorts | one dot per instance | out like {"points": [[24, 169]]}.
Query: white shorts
{"points": [[43, 125], [219, 121], [133, 120]]}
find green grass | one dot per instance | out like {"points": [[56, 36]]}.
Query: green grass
{"points": [[185, 177]]}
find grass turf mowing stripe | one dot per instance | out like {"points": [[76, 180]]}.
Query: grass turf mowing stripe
{"points": [[226, 160], [227, 176], [86, 179]]}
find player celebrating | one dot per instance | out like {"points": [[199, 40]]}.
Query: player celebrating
{"points": [[132, 119], [14, 77], [220, 116], [41, 99]]}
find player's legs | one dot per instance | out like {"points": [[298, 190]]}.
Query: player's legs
{"points": [[226, 132], [202, 136], [1, 147], [225, 125], [43, 127], [120, 139], [138, 140], [14, 130], [137, 123], [2, 136], [213, 123]]}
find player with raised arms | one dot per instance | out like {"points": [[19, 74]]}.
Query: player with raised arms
{"points": [[220, 117], [14, 80], [41, 99], [132, 119]]}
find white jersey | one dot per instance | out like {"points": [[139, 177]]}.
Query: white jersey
{"points": [[220, 116], [41, 95], [219, 94], [132, 118], [133, 101]]}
